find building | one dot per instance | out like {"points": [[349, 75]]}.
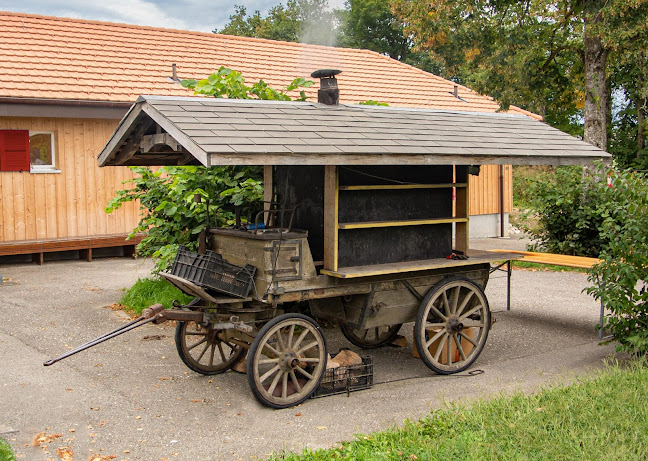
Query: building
{"points": [[66, 83]]}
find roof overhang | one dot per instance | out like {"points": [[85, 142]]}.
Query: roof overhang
{"points": [[161, 130]]}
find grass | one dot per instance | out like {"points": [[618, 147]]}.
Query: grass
{"points": [[602, 418], [149, 291], [6, 453]]}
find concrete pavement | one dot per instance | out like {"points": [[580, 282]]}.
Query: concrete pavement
{"points": [[134, 399]]}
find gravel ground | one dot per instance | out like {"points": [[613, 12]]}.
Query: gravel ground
{"points": [[132, 397]]}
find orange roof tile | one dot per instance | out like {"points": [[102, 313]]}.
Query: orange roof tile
{"points": [[101, 61]]}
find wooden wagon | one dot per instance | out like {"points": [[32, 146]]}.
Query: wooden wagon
{"points": [[366, 219]]}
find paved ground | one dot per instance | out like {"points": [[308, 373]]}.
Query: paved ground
{"points": [[134, 399]]}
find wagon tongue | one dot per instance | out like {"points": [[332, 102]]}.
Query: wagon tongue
{"points": [[155, 313]]}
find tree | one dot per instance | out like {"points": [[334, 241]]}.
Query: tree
{"points": [[305, 21], [548, 56], [371, 24]]}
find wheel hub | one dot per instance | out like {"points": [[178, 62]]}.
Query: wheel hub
{"points": [[455, 326], [289, 361]]}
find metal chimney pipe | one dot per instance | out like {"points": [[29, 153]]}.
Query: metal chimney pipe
{"points": [[329, 92]]}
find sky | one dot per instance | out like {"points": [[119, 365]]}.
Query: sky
{"points": [[199, 15]]}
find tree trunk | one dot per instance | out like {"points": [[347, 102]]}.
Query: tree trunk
{"points": [[597, 99], [641, 103]]}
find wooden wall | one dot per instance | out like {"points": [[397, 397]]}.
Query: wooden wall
{"points": [[485, 190], [70, 203]]}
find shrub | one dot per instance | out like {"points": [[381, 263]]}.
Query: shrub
{"points": [[619, 282], [570, 209]]}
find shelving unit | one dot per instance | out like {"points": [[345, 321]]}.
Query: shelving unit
{"points": [[337, 222]]}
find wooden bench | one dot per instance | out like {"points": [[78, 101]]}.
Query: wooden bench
{"points": [[85, 245], [580, 262]]}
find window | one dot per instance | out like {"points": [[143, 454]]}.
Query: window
{"points": [[42, 152], [24, 150]]}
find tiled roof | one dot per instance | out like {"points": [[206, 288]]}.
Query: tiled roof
{"points": [[226, 131], [59, 58]]}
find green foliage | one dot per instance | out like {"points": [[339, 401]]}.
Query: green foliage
{"points": [[6, 454], [149, 291], [170, 216], [371, 102], [228, 83], [570, 209], [619, 282], [305, 21], [566, 423]]}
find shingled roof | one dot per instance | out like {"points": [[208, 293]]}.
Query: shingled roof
{"points": [[179, 130], [54, 59]]}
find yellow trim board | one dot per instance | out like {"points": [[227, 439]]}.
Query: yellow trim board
{"points": [[410, 222]]}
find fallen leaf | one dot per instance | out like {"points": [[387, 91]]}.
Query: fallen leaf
{"points": [[72, 430], [98, 365], [138, 417], [321, 427], [69, 389], [65, 453], [103, 423], [298, 414], [126, 451], [42, 438], [94, 408], [164, 378], [413, 457]]}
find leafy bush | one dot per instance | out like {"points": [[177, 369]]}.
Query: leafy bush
{"points": [[570, 209], [169, 214], [619, 282], [6, 454]]}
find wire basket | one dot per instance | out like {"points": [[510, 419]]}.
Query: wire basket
{"points": [[210, 270], [344, 380]]}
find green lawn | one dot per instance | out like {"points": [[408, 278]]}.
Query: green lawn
{"points": [[147, 292], [605, 418], [5, 451]]}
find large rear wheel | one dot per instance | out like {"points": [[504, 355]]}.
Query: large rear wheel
{"points": [[452, 325]]}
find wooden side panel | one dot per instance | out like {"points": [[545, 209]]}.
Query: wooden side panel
{"points": [[70, 203], [485, 190]]}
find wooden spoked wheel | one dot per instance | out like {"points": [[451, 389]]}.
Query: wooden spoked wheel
{"points": [[370, 338], [286, 361], [202, 349], [452, 325]]}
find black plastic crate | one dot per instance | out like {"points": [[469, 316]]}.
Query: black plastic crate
{"points": [[344, 380], [210, 270]]}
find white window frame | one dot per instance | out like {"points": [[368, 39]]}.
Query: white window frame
{"points": [[44, 168]]}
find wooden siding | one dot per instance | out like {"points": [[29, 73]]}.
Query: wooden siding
{"points": [[485, 190], [70, 203]]}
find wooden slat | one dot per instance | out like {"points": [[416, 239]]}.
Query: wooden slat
{"points": [[404, 186], [475, 257], [462, 228], [581, 262], [408, 222]]}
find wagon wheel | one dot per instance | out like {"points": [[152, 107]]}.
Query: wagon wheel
{"points": [[202, 349], [370, 338], [286, 361], [452, 325]]}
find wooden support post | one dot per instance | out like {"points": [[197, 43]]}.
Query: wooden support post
{"points": [[331, 189], [38, 258], [268, 191], [86, 254], [129, 251], [462, 231]]}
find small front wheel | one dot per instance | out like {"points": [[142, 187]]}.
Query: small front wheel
{"points": [[452, 325], [203, 350], [286, 361]]}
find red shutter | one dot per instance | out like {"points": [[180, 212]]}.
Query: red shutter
{"points": [[14, 150]]}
